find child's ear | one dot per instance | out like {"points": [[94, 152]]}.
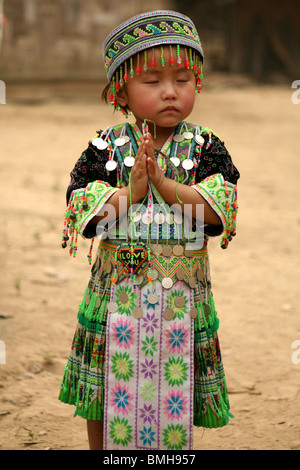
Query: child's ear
{"points": [[121, 97]]}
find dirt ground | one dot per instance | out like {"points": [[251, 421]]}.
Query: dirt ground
{"points": [[43, 130]]}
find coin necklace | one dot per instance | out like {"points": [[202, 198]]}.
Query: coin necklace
{"points": [[188, 163]]}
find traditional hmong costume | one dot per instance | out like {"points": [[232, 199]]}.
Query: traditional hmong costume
{"points": [[145, 357]]}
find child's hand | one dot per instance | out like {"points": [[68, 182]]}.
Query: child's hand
{"points": [[154, 172], [139, 176]]}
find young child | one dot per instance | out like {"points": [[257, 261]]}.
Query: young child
{"points": [[145, 364]]}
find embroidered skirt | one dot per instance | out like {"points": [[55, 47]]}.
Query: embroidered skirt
{"points": [[145, 358]]}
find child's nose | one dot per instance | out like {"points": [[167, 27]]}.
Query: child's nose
{"points": [[169, 91]]}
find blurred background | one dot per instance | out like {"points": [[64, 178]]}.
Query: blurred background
{"points": [[62, 39]]}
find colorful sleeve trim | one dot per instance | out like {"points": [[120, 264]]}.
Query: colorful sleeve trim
{"points": [[222, 197], [83, 205]]}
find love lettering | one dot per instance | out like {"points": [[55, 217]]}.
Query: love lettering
{"points": [[133, 258]]}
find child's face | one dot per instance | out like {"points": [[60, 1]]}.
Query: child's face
{"points": [[164, 94]]}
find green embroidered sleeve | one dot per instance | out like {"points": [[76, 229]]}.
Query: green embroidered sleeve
{"points": [[221, 195], [84, 204]]}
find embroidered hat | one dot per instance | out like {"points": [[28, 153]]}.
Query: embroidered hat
{"points": [[146, 30]]}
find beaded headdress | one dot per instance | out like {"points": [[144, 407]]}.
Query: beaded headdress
{"points": [[142, 32]]}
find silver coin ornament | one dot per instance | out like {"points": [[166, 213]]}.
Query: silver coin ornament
{"points": [[157, 249], [192, 282], [120, 141], [199, 139], [100, 143], [178, 138], [178, 218], [175, 161], [112, 307], [169, 314], [159, 218], [167, 282], [137, 216], [179, 301], [111, 165], [147, 218], [178, 250], [152, 298], [139, 279], [137, 312], [187, 164], [188, 135], [167, 250], [129, 162], [194, 312], [180, 274], [123, 297], [154, 274]]}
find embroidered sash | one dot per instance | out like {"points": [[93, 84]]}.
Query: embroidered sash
{"points": [[149, 369]]}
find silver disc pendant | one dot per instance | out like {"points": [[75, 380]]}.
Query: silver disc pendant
{"points": [[169, 314], [188, 253], [167, 250], [126, 138], [179, 301], [192, 282], [175, 161], [100, 143], [200, 275], [112, 307], [178, 250], [152, 298], [193, 312], [123, 297], [87, 299], [154, 274], [170, 218], [178, 218], [111, 165], [199, 139], [180, 274], [178, 138], [187, 164], [159, 218], [98, 302], [108, 267], [167, 282], [129, 162], [188, 135], [147, 219], [157, 249], [139, 279], [120, 142], [137, 312], [137, 217]]}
